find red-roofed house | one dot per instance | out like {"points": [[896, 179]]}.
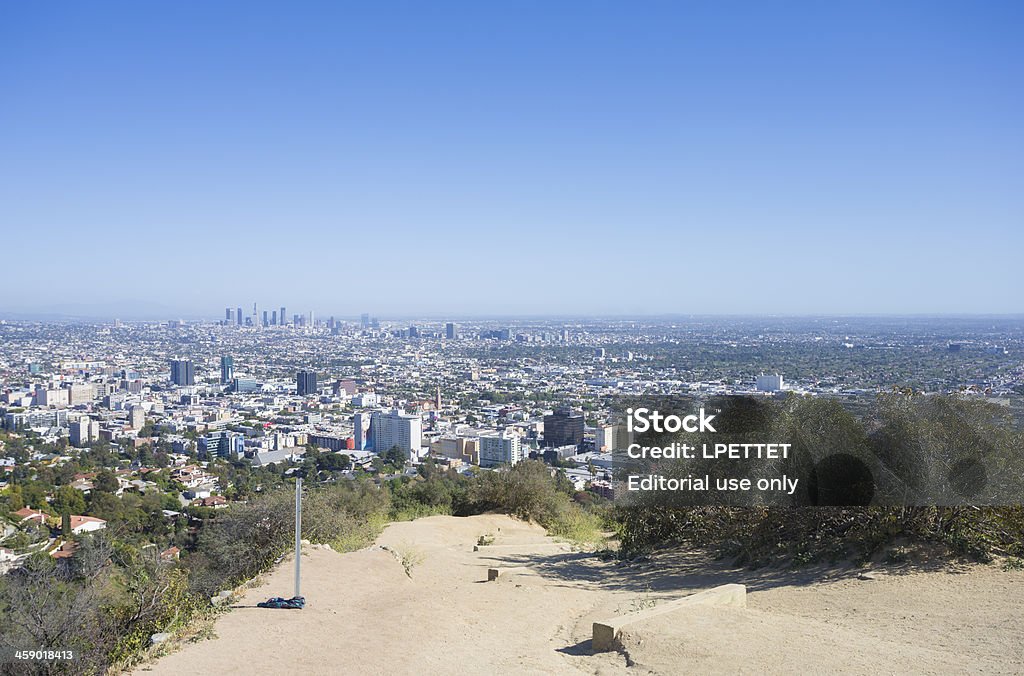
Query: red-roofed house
{"points": [[215, 501], [26, 514]]}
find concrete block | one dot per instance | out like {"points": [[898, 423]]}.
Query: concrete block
{"points": [[606, 632], [494, 573]]}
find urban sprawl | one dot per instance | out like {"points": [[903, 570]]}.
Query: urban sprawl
{"points": [[176, 415]]}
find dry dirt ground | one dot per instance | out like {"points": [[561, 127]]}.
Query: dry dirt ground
{"points": [[366, 615]]}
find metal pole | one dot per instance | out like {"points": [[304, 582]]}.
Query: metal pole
{"points": [[298, 532]]}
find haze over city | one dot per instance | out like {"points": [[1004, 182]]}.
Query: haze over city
{"points": [[529, 159]]}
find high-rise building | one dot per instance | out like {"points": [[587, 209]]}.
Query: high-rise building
{"points": [[84, 431], [222, 444], [52, 398], [238, 316], [273, 318], [563, 428], [79, 432], [182, 372], [136, 417], [604, 438], [283, 316], [449, 331], [227, 370], [266, 318], [305, 383], [80, 393], [500, 449], [364, 320], [36, 418], [413, 331], [228, 314], [244, 385], [361, 431], [396, 428]]}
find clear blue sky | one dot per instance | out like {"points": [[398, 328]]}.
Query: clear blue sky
{"points": [[518, 157]]}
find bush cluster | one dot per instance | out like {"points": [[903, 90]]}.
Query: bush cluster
{"points": [[768, 535], [103, 604], [963, 457]]}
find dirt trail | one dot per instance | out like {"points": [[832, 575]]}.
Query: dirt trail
{"points": [[366, 615]]}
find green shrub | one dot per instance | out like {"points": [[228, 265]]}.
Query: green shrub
{"points": [[761, 534], [577, 525], [526, 490]]}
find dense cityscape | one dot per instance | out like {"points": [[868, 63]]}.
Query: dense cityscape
{"points": [[151, 423]]}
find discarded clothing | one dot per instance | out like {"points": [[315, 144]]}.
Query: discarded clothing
{"points": [[295, 603]]}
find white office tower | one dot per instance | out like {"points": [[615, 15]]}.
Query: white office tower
{"points": [[500, 449], [396, 428], [361, 430], [766, 383]]}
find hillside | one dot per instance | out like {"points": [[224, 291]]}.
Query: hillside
{"points": [[366, 615]]}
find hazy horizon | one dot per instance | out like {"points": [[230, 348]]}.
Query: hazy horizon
{"points": [[85, 314]]}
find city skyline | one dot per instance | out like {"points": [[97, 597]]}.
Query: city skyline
{"points": [[580, 159], [88, 314]]}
